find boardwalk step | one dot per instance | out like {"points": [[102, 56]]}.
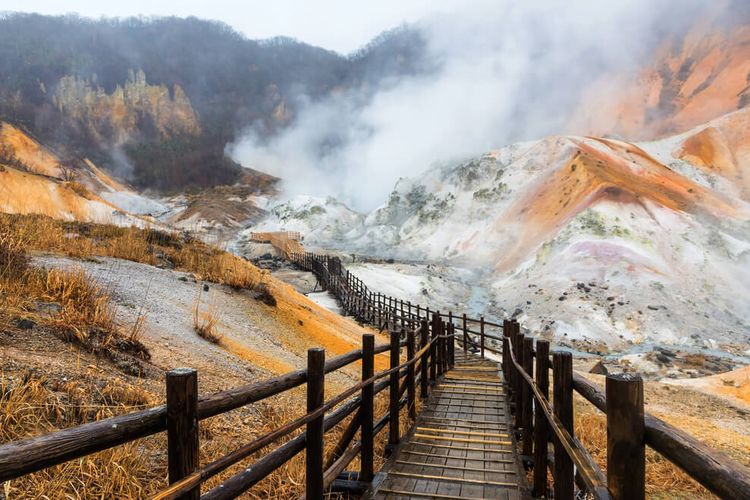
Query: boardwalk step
{"points": [[463, 433], [461, 440], [433, 455], [449, 478], [462, 448], [454, 467], [411, 494], [461, 436]]}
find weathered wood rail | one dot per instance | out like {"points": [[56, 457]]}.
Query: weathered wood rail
{"points": [[544, 430]]}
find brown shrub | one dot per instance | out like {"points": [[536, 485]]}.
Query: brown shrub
{"points": [[78, 189]]}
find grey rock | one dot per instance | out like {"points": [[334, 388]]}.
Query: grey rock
{"points": [[25, 324]]}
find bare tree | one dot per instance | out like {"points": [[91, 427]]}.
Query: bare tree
{"points": [[69, 168]]}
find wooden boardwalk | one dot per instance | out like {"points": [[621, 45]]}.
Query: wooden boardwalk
{"points": [[461, 446]]}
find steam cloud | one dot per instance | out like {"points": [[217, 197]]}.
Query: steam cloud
{"points": [[508, 71]]}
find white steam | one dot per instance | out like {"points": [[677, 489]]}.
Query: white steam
{"points": [[508, 71]]}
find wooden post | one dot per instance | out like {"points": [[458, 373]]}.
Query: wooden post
{"points": [[366, 472], [182, 426], [424, 332], [528, 400], [433, 350], [441, 346], [515, 341], [403, 318], [481, 333], [511, 369], [466, 335], [562, 371], [393, 424], [451, 346], [316, 360], [411, 398], [518, 397], [626, 446], [377, 299], [506, 346], [541, 425], [450, 340], [506, 361]]}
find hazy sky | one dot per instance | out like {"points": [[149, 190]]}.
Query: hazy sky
{"points": [[341, 25]]}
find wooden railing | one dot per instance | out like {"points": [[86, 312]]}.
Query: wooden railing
{"points": [[629, 429], [526, 364], [184, 410], [429, 339]]}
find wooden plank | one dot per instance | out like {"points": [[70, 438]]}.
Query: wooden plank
{"points": [[410, 494], [449, 478], [468, 448], [482, 459], [453, 467], [465, 433]]}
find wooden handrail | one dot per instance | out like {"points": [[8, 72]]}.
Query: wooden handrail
{"points": [[239, 454], [36, 453], [590, 471], [713, 469]]}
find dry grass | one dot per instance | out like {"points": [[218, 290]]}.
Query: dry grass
{"points": [[67, 302], [30, 405], [205, 321], [14, 260], [147, 246], [663, 479], [137, 469]]}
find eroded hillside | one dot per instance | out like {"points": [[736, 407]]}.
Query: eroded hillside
{"points": [[690, 78], [599, 243]]}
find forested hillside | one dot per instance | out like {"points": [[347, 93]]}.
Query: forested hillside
{"points": [[157, 100]]}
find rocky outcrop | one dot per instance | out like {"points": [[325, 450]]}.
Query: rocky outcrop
{"points": [[129, 110]]}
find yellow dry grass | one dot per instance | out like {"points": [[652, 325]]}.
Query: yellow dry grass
{"points": [[29, 151], [31, 405], [139, 468], [663, 479], [305, 324], [205, 321], [147, 246]]}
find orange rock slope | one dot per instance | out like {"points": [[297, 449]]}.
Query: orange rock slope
{"points": [[34, 184], [722, 147], [583, 171], [690, 79]]}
